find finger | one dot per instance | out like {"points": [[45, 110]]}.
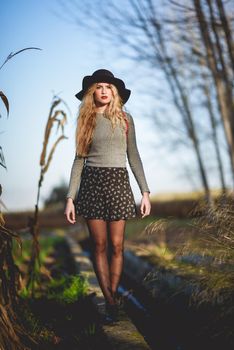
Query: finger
{"points": [[142, 207], [147, 211], [73, 215], [72, 219], [67, 216], [66, 213]]}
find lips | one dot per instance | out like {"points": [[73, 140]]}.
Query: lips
{"points": [[104, 97]]}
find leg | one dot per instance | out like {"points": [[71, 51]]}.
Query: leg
{"points": [[116, 230], [98, 234]]}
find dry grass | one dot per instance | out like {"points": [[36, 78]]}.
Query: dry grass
{"points": [[216, 241], [207, 259]]}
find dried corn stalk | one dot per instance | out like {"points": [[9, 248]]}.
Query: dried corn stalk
{"points": [[59, 117]]}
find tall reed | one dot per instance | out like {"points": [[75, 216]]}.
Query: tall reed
{"points": [[59, 117]]}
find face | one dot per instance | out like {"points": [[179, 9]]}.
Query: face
{"points": [[102, 94]]}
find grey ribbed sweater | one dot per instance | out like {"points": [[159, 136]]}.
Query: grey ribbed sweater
{"points": [[109, 149]]}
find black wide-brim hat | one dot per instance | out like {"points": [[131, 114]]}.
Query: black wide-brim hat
{"points": [[104, 76]]}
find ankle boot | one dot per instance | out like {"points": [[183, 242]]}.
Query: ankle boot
{"points": [[112, 311]]}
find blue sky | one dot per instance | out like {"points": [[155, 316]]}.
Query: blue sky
{"points": [[30, 79]]}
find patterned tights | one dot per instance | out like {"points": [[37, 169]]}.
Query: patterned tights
{"points": [[107, 236]]}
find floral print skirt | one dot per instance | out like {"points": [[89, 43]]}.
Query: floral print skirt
{"points": [[105, 193]]}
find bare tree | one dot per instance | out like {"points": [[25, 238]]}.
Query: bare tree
{"points": [[218, 67], [153, 38]]}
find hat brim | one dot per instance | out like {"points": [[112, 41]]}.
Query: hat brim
{"points": [[89, 80]]}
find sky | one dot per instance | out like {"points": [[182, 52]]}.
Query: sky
{"points": [[30, 80]]}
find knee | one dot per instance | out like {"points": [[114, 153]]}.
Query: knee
{"points": [[100, 247], [117, 249]]}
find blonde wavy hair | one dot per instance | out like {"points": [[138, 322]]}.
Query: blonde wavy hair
{"points": [[86, 119]]}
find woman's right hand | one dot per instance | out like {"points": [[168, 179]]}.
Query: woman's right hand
{"points": [[70, 211]]}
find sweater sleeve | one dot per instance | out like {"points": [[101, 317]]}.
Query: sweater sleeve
{"points": [[134, 158], [75, 176]]}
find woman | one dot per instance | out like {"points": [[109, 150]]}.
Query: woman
{"points": [[104, 135]]}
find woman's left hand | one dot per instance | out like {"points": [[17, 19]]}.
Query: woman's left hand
{"points": [[145, 205]]}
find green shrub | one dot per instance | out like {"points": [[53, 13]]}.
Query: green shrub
{"points": [[67, 289]]}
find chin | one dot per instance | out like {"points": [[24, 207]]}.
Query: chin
{"points": [[104, 103]]}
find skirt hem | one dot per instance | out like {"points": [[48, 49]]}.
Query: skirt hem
{"points": [[107, 219]]}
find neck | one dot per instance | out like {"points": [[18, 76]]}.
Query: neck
{"points": [[101, 109]]}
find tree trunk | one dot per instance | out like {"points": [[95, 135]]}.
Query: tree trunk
{"points": [[224, 95], [214, 135], [227, 31]]}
